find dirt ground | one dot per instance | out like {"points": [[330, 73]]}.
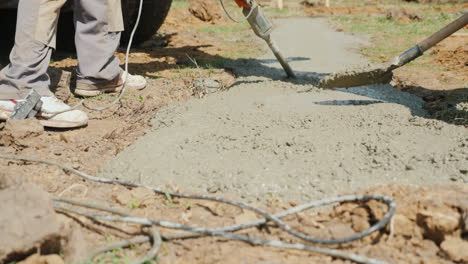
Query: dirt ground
{"points": [[430, 225]]}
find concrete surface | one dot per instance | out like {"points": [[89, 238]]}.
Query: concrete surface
{"points": [[267, 137]]}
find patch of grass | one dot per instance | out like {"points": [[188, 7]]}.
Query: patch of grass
{"points": [[133, 204], [216, 63], [180, 4], [390, 38], [236, 41], [453, 116], [453, 109], [286, 12], [232, 29], [116, 256]]}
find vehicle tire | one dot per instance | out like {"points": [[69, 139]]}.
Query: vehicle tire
{"points": [[8, 22], [66, 32], [152, 17]]}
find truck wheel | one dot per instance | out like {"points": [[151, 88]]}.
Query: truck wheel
{"points": [[8, 22], [152, 17]]}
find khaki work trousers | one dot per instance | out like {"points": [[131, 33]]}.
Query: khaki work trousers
{"points": [[98, 24]]}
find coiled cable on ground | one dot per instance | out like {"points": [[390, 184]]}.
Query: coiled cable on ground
{"points": [[226, 231]]}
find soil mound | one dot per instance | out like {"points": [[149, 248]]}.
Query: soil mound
{"points": [[205, 11], [452, 54], [402, 15]]}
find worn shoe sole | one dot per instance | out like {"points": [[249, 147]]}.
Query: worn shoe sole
{"points": [[61, 123], [90, 93], [136, 87], [5, 114]]}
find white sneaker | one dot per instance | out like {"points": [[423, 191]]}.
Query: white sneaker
{"points": [[50, 105], [132, 82], [7, 107]]}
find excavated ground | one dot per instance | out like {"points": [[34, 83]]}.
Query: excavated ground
{"points": [[347, 137], [277, 138]]}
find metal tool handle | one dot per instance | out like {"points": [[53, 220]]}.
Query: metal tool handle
{"points": [[428, 43], [279, 56]]}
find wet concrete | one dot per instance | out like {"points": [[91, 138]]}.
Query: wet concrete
{"points": [[266, 137], [359, 76]]}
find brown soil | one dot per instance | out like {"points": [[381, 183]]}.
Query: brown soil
{"points": [[402, 15], [442, 90], [452, 54], [204, 11], [429, 227]]}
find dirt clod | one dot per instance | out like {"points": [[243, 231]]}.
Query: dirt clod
{"points": [[306, 4], [402, 15], [444, 220], [456, 248], [19, 133], [402, 226], [28, 222], [38, 259], [205, 11], [452, 54]]}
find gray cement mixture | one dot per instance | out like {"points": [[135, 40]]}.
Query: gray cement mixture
{"points": [[266, 137], [367, 75]]}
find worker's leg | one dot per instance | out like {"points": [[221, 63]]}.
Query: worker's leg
{"points": [[31, 53], [95, 43], [98, 24], [29, 59]]}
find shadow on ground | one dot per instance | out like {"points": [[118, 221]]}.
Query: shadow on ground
{"points": [[439, 105]]}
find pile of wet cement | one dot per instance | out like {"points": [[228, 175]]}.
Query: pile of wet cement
{"points": [[265, 138], [270, 140], [358, 76]]}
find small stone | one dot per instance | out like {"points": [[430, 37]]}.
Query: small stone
{"points": [[456, 249], [359, 223], [444, 220], [213, 189], [404, 227], [378, 209], [245, 217], [122, 198]]}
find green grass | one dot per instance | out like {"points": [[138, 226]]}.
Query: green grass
{"points": [[179, 4], [286, 12], [116, 256], [238, 41], [233, 30], [389, 37]]}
